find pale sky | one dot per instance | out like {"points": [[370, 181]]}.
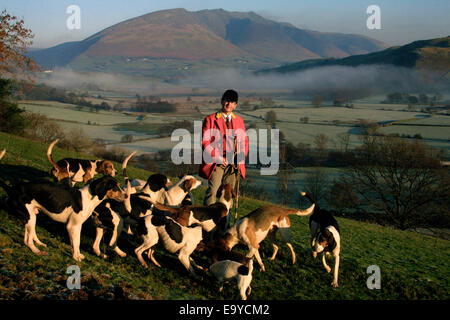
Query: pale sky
{"points": [[402, 21]]}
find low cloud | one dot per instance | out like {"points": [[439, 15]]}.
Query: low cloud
{"points": [[353, 81], [69, 79], [365, 79]]}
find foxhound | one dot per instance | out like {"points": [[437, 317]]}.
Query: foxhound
{"points": [[325, 237], [79, 170], [114, 215], [209, 217], [68, 205], [174, 236], [228, 269], [254, 227]]}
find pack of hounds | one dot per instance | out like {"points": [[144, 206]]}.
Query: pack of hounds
{"points": [[158, 211]]}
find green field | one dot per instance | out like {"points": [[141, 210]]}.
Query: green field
{"points": [[329, 120], [413, 266]]}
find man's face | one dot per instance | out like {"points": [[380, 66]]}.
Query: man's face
{"points": [[228, 106]]}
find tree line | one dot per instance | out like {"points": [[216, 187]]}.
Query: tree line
{"points": [[152, 104]]}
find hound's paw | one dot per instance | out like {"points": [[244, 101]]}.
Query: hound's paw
{"points": [[334, 284], [42, 253], [120, 253], [328, 269], [314, 255], [78, 257]]}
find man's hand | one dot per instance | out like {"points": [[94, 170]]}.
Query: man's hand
{"points": [[224, 161]]}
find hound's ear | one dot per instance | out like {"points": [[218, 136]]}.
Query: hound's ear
{"points": [[100, 187], [330, 238], [188, 184], [101, 166]]}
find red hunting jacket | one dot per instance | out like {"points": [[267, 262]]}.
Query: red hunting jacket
{"points": [[214, 133]]}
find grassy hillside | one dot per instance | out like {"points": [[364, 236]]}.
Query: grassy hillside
{"points": [[424, 54], [412, 266]]}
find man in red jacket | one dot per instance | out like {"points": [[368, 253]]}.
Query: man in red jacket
{"points": [[224, 145]]}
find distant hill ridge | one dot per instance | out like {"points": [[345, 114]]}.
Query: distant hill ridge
{"points": [[433, 54], [203, 35]]}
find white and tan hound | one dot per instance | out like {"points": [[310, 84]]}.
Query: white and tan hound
{"points": [[254, 227]]}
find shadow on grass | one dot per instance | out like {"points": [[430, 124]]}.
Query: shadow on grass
{"points": [[17, 173]]}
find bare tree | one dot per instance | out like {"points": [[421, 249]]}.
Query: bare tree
{"points": [[283, 175], [401, 179], [271, 117], [321, 148], [316, 183], [343, 141], [317, 101]]}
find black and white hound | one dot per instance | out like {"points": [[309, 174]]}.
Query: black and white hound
{"points": [[114, 215], [227, 269], [212, 218], [79, 170], [174, 236], [325, 237], [64, 204]]}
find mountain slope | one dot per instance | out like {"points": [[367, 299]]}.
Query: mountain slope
{"points": [[207, 35], [433, 54]]}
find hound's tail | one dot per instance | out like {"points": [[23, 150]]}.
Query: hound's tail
{"points": [[60, 172], [124, 166], [308, 196], [305, 212], [301, 213], [3, 184], [127, 181]]}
